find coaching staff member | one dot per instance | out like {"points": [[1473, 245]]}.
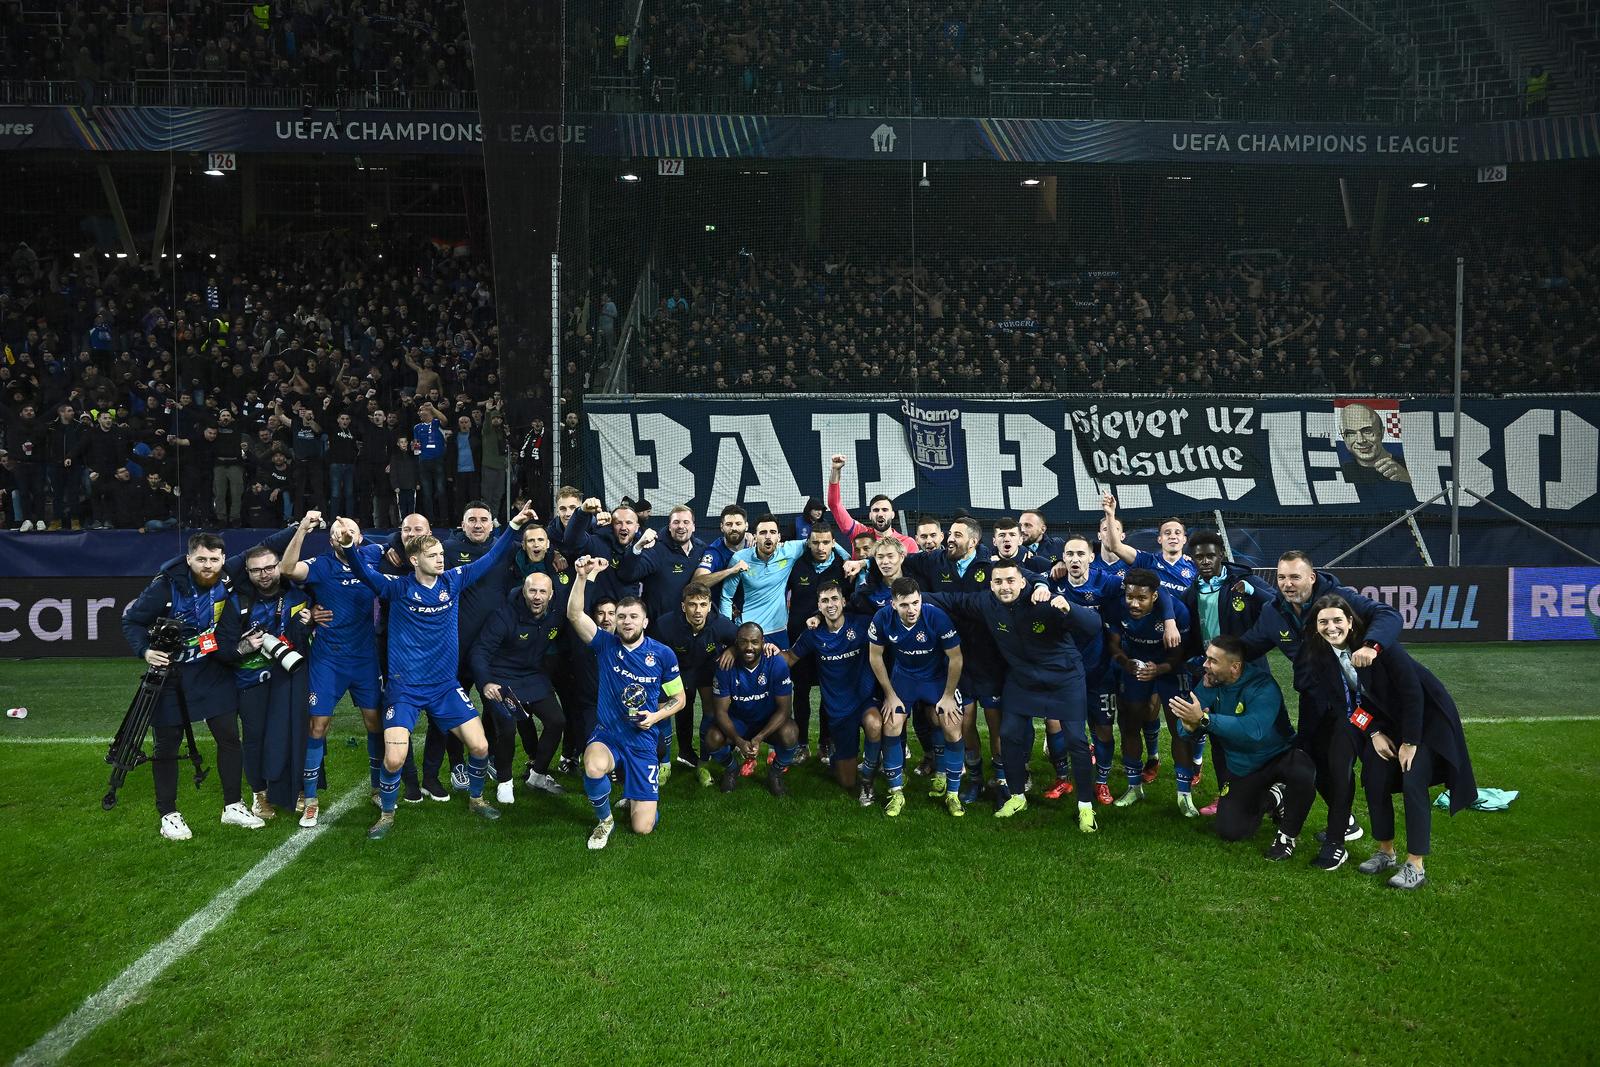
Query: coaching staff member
{"points": [[194, 589], [1245, 715]]}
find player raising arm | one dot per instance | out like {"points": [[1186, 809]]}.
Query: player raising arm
{"points": [[638, 686]]}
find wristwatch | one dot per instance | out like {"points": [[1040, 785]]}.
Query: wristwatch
{"points": [[1205, 720]]}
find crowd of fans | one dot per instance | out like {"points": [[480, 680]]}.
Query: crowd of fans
{"points": [[1155, 52], [240, 390], [1335, 321], [326, 45], [1217, 49]]}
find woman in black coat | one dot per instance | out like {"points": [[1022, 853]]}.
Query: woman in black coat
{"points": [[1413, 736]]}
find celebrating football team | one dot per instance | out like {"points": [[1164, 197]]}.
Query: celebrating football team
{"points": [[593, 636]]}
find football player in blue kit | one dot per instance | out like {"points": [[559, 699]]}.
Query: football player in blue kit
{"points": [[1078, 579], [752, 702], [838, 645], [424, 654], [1149, 671], [1176, 573], [344, 655], [926, 671], [638, 687]]}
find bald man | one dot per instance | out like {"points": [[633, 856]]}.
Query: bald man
{"points": [[508, 666], [1361, 429]]}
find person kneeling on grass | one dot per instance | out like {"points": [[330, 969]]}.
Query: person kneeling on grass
{"points": [[1243, 713], [1413, 734], [639, 685], [751, 701]]}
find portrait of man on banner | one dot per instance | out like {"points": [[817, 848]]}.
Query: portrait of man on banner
{"points": [[1369, 444]]}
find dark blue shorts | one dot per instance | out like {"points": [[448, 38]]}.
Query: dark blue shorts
{"points": [[446, 708], [637, 758], [331, 678], [980, 688], [844, 731]]}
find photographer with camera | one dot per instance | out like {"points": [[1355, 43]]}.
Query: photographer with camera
{"points": [[172, 627], [263, 634]]}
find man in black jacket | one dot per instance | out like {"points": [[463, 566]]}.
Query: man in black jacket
{"points": [[65, 444], [344, 450], [227, 472], [25, 441]]}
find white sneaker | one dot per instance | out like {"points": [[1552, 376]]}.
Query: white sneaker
{"points": [[27, 527], [308, 817], [237, 814], [602, 833], [458, 778], [173, 828], [503, 793]]}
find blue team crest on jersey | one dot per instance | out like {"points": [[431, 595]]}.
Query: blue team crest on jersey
{"points": [[761, 679], [922, 637], [850, 634], [444, 595], [649, 659]]}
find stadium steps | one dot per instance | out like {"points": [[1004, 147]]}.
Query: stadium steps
{"points": [[1552, 35]]}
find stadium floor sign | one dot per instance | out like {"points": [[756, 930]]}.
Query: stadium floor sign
{"points": [[1306, 456]]}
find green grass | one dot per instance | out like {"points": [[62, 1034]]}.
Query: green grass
{"points": [[749, 930]]}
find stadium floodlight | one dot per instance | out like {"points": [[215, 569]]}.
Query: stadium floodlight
{"points": [[1031, 182], [628, 176], [122, 255], [1420, 185], [213, 173]]}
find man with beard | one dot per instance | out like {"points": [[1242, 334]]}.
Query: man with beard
{"points": [[880, 511], [716, 563], [664, 566], [751, 703], [697, 637], [508, 661], [279, 758]]}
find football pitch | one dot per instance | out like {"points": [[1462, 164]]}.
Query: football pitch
{"points": [[806, 930]]}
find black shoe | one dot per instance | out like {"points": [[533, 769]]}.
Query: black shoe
{"points": [[1331, 858], [924, 768], [1282, 847], [435, 790], [413, 793], [730, 777], [566, 766], [775, 784], [1352, 832]]}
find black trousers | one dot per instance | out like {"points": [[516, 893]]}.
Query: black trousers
{"points": [[540, 744], [1241, 807], [434, 749], [230, 761], [1334, 751], [683, 725], [581, 720], [1382, 779]]}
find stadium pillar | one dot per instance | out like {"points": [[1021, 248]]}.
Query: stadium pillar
{"points": [[1380, 212], [114, 202], [163, 214], [248, 207], [1455, 428]]}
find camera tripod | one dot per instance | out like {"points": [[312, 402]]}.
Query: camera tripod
{"points": [[127, 747]]}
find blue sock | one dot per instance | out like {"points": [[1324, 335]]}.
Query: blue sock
{"points": [[1056, 743], [1102, 761], [723, 755], [783, 755], [315, 747], [374, 755], [955, 761], [1185, 777], [1134, 770], [388, 788], [477, 767], [894, 763], [1198, 746], [873, 752], [1152, 739], [598, 790]]}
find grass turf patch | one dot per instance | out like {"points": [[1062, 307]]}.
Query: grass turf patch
{"points": [[805, 930]]}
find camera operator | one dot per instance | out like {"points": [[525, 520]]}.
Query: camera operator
{"points": [[263, 634], [193, 589]]}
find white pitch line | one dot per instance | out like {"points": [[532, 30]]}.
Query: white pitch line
{"points": [[55, 740], [103, 1006], [1492, 720]]}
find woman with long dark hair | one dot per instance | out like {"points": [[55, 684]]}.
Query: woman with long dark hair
{"points": [[1412, 736]]}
